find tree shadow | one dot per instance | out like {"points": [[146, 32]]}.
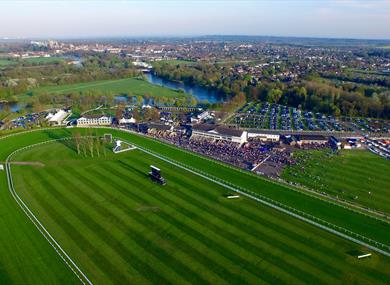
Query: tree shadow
{"points": [[62, 136]]}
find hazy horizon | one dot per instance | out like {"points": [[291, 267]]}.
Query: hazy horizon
{"points": [[346, 19]]}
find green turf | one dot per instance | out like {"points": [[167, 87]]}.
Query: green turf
{"points": [[33, 60], [18, 268], [122, 228], [302, 202], [6, 62], [119, 86], [25, 256], [178, 62], [43, 60], [351, 175]]}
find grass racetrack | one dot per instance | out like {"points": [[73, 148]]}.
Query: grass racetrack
{"points": [[354, 175], [125, 86], [121, 228]]}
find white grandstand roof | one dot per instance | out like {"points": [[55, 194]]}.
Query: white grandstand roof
{"points": [[59, 116]]}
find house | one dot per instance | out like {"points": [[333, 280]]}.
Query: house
{"points": [[94, 120], [219, 133], [59, 118]]}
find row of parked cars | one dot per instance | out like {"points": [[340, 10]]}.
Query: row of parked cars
{"points": [[279, 117], [370, 125], [26, 121]]}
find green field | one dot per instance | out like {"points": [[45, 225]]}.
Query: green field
{"points": [[178, 62], [43, 60], [33, 60], [267, 245], [122, 228], [125, 86], [351, 175], [6, 62]]}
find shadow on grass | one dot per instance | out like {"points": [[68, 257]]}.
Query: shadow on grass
{"points": [[133, 169], [354, 252], [60, 134]]}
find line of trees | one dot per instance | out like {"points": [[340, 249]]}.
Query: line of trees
{"points": [[89, 145]]}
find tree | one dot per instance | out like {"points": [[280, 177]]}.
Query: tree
{"points": [[140, 100], [77, 141], [275, 95], [136, 114], [119, 111]]}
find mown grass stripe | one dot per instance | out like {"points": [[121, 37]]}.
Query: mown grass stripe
{"points": [[142, 220], [222, 238], [329, 250], [175, 265], [375, 265], [249, 243], [127, 210], [133, 195], [74, 234], [120, 248]]}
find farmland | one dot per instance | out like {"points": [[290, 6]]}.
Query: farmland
{"points": [[125, 86], [358, 176], [120, 226]]}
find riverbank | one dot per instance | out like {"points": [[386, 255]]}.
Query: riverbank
{"points": [[199, 92]]}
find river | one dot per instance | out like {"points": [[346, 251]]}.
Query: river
{"points": [[200, 93], [12, 107]]}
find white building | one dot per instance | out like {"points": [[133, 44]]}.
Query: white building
{"points": [[220, 133], [59, 118], [94, 120], [202, 116], [127, 121], [264, 135]]}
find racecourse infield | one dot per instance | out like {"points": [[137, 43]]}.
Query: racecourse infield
{"points": [[114, 223]]}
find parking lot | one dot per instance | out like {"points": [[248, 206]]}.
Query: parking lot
{"points": [[260, 115], [370, 125]]}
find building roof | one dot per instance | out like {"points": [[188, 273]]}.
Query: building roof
{"points": [[59, 116], [203, 127], [312, 138], [209, 128], [159, 127], [229, 131], [264, 132], [94, 116]]}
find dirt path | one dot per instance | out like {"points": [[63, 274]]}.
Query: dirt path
{"points": [[32, 163]]}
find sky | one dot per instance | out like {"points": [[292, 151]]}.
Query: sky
{"points": [[367, 19]]}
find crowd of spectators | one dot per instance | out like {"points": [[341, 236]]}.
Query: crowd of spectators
{"points": [[245, 156]]}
